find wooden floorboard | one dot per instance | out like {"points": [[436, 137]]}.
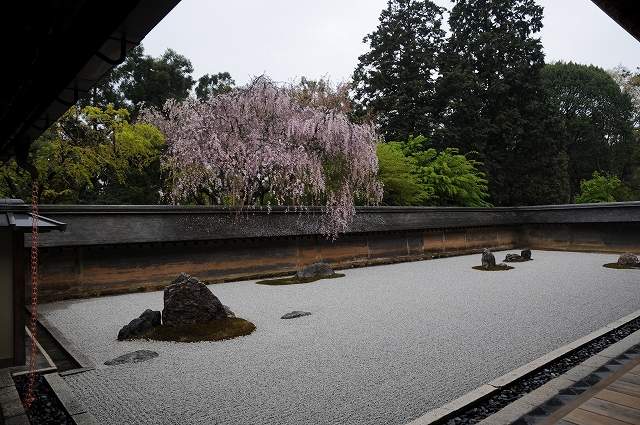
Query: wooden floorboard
{"points": [[587, 408], [612, 410], [584, 417], [618, 398], [633, 379], [624, 387]]}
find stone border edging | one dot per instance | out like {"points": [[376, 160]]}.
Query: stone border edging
{"points": [[540, 396], [74, 408], [68, 346], [11, 409], [474, 397]]}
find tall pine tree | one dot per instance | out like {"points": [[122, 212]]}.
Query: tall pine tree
{"points": [[491, 99], [395, 80]]}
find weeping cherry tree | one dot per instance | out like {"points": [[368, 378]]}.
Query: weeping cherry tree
{"points": [[259, 145]]}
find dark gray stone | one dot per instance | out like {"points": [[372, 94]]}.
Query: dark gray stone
{"points": [[526, 254], [502, 265], [135, 357], [152, 316], [295, 314], [488, 259], [140, 325], [316, 269], [628, 259], [187, 300], [513, 257]]}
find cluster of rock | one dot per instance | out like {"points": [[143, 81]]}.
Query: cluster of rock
{"points": [[316, 269], [523, 256], [186, 300], [489, 260], [628, 260], [143, 324]]}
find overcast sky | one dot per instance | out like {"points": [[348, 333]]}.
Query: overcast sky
{"points": [[289, 39]]}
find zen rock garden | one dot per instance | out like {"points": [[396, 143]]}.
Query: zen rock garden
{"points": [[191, 313], [628, 260], [489, 260]]}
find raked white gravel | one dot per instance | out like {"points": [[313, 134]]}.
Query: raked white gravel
{"points": [[384, 344]]}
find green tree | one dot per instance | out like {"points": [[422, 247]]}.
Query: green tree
{"points": [[600, 188], [419, 175], [399, 174], [490, 98], [209, 85], [143, 78], [153, 81], [596, 120], [455, 179], [395, 80], [627, 161], [83, 155]]}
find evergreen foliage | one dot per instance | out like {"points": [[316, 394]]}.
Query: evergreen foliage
{"points": [[596, 119], [395, 80]]}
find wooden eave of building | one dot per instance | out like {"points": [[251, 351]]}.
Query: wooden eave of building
{"points": [[625, 12], [56, 51]]}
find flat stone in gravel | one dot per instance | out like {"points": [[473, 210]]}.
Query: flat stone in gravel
{"points": [[135, 357], [295, 314]]}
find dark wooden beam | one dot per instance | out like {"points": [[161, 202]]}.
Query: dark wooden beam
{"points": [[19, 312]]}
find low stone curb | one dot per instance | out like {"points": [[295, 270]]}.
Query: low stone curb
{"points": [[12, 410], [540, 395], [68, 346], [72, 405]]}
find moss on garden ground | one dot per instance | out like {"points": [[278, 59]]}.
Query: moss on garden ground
{"points": [[492, 269], [216, 330], [522, 260], [616, 266], [294, 281]]}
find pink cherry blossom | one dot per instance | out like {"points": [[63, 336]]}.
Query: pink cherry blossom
{"points": [[259, 145]]}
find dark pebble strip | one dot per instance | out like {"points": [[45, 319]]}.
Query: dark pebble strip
{"points": [[528, 384]]}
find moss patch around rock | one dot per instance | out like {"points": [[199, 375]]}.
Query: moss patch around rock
{"points": [[616, 266], [216, 330], [294, 281], [492, 269]]}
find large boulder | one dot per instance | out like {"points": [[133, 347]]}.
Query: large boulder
{"points": [[187, 300], [628, 259], [526, 254], [488, 259], [322, 269], [143, 324]]}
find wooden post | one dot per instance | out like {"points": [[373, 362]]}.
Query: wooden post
{"points": [[19, 308]]}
